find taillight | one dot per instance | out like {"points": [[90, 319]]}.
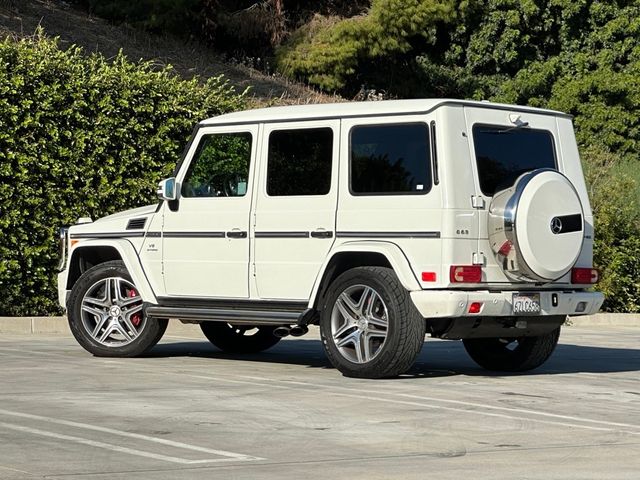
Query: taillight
{"points": [[585, 276], [465, 274]]}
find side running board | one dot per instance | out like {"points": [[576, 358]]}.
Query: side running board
{"points": [[235, 316]]}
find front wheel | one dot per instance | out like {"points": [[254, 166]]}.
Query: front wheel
{"points": [[512, 354], [238, 338], [106, 315], [369, 326]]}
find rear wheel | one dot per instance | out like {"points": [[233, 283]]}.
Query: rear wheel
{"points": [[239, 338], [106, 315], [369, 326], [512, 354]]}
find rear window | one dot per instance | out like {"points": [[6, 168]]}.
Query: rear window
{"points": [[505, 153]]}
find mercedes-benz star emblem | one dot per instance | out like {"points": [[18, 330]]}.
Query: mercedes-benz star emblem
{"points": [[556, 225]]}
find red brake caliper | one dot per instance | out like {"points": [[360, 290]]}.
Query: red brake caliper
{"points": [[136, 318]]}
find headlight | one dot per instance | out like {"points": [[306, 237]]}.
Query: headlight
{"points": [[63, 239]]}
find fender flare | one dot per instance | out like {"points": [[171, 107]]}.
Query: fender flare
{"points": [[130, 258], [392, 252]]}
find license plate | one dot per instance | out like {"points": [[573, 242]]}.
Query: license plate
{"points": [[526, 303]]}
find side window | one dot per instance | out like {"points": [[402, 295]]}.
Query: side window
{"points": [[390, 159], [299, 162], [220, 166]]}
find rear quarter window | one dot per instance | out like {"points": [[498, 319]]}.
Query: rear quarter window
{"points": [[392, 159], [505, 153]]}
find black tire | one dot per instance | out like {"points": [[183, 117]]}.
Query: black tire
{"points": [[405, 328], [512, 354], [239, 339], [147, 333]]}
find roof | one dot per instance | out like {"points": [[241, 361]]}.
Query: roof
{"points": [[357, 109]]}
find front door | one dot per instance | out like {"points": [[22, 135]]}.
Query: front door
{"points": [[206, 231], [295, 207]]}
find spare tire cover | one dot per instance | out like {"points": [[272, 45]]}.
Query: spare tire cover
{"points": [[536, 227]]}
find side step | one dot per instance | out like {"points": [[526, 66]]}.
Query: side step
{"points": [[235, 316]]}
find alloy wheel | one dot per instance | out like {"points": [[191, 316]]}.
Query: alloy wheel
{"points": [[359, 323], [111, 312]]}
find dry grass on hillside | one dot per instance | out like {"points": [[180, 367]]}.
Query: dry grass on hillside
{"points": [[22, 17]]}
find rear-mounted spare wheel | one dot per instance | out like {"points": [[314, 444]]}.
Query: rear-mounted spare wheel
{"points": [[536, 226]]}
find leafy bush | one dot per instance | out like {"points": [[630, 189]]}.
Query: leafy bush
{"points": [[81, 136], [615, 201]]}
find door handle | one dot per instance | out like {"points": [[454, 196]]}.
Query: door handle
{"points": [[236, 234], [321, 234]]}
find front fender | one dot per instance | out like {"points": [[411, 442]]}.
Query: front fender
{"points": [[129, 256], [392, 252]]}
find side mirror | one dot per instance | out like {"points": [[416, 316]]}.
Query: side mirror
{"points": [[167, 189]]}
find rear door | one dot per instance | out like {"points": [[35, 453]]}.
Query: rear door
{"points": [[503, 145], [294, 216]]}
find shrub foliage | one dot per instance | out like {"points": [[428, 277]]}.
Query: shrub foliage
{"points": [[81, 136]]}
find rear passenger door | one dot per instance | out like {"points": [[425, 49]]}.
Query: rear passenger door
{"points": [[294, 214]]}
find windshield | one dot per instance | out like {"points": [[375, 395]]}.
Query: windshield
{"points": [[505, 153]]}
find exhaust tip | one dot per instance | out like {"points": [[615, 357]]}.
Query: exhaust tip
{"points": [[298, 330], [281, 332]]}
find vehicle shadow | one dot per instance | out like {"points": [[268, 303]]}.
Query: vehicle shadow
{"points": [[436, 359]]}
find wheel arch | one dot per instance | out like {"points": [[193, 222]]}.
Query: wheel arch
{"points": [[361, 254], [92, 252]]}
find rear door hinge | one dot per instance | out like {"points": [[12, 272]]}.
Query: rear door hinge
{"points": [[478, 258], [477, 201]]}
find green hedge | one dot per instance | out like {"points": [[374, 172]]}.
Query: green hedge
{"points": [[81, 136]]}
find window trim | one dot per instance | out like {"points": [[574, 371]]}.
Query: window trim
{"points": [[389, 194], [506, 127], [189, 164], [435, 175], [334, 138]]}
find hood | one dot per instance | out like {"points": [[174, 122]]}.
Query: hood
{"points": [[119, 222], [132, 213]]}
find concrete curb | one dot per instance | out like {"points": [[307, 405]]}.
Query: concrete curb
{"points": [[59, 326], [606, 319]]}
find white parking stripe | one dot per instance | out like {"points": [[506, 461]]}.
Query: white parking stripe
{"points": [[110, 446], [419, 404], [223, 453], [471, 404]]}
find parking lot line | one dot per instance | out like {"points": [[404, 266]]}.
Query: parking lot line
{"points": [[105, 446], [470, 404], [230, 456], [358, 395]]}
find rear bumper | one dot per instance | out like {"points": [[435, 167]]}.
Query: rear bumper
{"points": [[455, 304]]}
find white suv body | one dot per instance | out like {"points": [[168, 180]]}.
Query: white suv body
{"points": [[478, 213]]}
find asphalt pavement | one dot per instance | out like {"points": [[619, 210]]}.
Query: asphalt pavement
{"points": [[187, 410]]}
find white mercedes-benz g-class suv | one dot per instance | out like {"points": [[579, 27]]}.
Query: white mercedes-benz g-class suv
{"points": [[379, 221]]}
